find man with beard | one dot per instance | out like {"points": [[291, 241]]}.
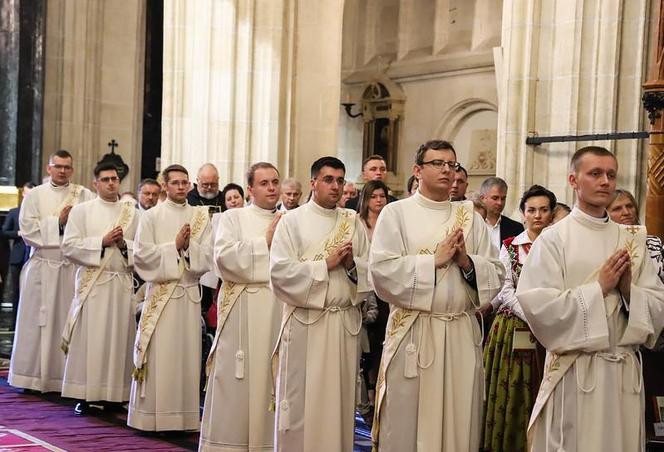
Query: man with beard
{"points": [[206, 189]]}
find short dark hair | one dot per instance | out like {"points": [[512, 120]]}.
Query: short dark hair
{"points": [[251, 172], [146, 181], [436, 145], [226, 189], [105, 166], [60, 153], [410, 183], [365, 196], [28, 185], [330, 161], [594, 150], [370, 158], [171, 168], [537, 190], [462, 170]]}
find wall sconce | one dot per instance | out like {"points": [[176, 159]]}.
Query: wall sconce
{"points": [[347, 106]]}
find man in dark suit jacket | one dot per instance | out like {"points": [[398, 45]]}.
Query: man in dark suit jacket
{"points": [[493, 193], [373, 168], [18, 256]]}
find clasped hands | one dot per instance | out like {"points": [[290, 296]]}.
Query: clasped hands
{"points": [[343, 254], [452, 249], [616, 273], [114, 237]]}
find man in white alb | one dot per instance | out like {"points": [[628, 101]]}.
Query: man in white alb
{"points": [[99, 334], [318, 270], [172, 249], [433, 262], [237, 414], [592, 297], [37, 363]]}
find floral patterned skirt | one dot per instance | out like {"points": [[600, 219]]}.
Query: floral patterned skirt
{"points": [[512, 381]]}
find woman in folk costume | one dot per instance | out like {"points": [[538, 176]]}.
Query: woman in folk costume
{"points": [[513, 360]]}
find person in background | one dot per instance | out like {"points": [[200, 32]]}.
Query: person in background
{"points": [[412, 185], [513, 360], [349, 192], [233, 196], [128, 196], [560, 212], [148, 194], [376, 311], [373, 168], [206, 190], [493, 194], [291, 192], [459, 185], [20, 252]]}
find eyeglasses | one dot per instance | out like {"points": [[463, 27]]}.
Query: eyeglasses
{"points": [[439, 164], [61, 167], [329, 180], [210, 185], [108, 179]]}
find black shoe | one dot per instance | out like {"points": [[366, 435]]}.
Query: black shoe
{"points": [[81, 409]]}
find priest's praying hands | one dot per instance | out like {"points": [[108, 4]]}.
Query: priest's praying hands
{"points": [[342, 255], [182, 237], [616, 273], [113, 237], [64, 215], [452, 248]]}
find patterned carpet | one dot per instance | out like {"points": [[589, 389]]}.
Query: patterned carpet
{"points": [[40, 422]]}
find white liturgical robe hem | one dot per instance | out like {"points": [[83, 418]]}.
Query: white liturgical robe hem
{"points": [[47, 288]]}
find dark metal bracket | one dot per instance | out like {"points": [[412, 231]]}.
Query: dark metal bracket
{"points": [[535, 140]]}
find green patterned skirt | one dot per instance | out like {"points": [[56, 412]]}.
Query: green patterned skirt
{"points": [[512, 381]]}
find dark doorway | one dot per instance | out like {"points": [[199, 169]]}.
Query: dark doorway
{"points": [[154, 61]]}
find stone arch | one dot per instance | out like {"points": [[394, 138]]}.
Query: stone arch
{"points": [[454, 118]]}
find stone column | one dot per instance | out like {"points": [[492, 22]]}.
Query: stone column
{"points": [[569, 68], [653, 101], [9, 55], [94, 82], [250, 80]]}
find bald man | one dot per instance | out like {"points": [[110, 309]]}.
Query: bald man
{"points": [[291, 192], [206, 189]]}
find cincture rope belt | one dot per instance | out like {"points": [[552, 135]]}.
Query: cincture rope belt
{"points": [[52, 263], [425, 327], [332, 310], [124, 277], [182, 292], [616, 358]]}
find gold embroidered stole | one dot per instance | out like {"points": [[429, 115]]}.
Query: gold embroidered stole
{"points": [[73, 197], [343, 231], [401, 320], [158, 297], [633, 239], [89, 277]]}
